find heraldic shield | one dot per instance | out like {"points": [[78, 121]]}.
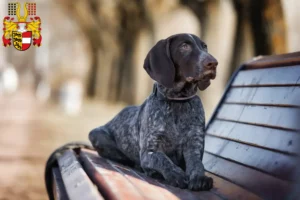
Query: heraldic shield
{"points": [[26, 30], [22, 40]]}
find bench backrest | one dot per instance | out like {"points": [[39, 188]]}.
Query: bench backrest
{"points": [[253, 137]]}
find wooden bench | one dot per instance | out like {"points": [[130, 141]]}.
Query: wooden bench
{"points": [[252, 146]]}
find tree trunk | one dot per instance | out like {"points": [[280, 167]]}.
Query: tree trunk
{"points": [[243, 43], [111, 27], [133, 19], [268, 27]]}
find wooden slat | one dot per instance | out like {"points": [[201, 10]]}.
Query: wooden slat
{"points": [[222, 189], [114, 185], [282, 96], [270, 138], [77, 183], [142, 182], [59, 190], [263, 115], [274, 61], [228, 190], [272, 76], [276, 164], [263, 185]]}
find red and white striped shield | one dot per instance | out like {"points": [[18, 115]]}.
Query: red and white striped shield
{"points": [[22, 41]]}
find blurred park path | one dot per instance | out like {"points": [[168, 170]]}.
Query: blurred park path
{"points": [[29, 132]]}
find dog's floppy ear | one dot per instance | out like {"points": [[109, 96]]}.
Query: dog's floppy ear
{"points": [[159, 64]]}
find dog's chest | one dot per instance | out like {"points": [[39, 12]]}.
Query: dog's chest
{"points": [[181, 121]]}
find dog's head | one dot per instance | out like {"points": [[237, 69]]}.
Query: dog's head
{"points": [[181, 57]]}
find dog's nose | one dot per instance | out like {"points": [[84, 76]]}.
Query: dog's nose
{"points": [[210, 63]]}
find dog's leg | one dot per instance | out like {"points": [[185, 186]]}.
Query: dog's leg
{"points": [[160, 162], [193, 153], [105, 145]]}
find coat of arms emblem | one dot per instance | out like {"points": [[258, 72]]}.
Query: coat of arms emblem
{"points": [[24, 32]]}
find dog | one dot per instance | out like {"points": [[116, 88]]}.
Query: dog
{"points": [[165, 135]]}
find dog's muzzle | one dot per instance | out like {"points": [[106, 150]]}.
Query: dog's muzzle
{"points": [[209, 71], [209, 67]]}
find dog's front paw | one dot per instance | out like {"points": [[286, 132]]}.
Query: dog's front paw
{"points": [[177, 178], [200, 182]]}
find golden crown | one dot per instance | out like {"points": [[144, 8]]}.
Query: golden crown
{"points": [[22, 18]]}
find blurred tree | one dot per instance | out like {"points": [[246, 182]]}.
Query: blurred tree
{"points": [[260, 30], [268, 26], [244, 43], [218, 27], [201, 10], [100, 33], [111, 28], [260, 27], [133, 19]]}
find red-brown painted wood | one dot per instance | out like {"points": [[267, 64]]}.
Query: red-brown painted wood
{"points": [[111, 184], [228, 190], [157, 189], [274, 61]]}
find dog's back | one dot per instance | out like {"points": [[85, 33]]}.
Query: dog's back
{"points": [[125, 128]]}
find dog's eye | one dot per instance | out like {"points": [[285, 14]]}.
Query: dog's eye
{"points": [[204, 46], [185, 46]]}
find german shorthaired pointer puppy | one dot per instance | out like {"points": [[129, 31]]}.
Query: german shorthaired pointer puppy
{"points": [[165, 135]]}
